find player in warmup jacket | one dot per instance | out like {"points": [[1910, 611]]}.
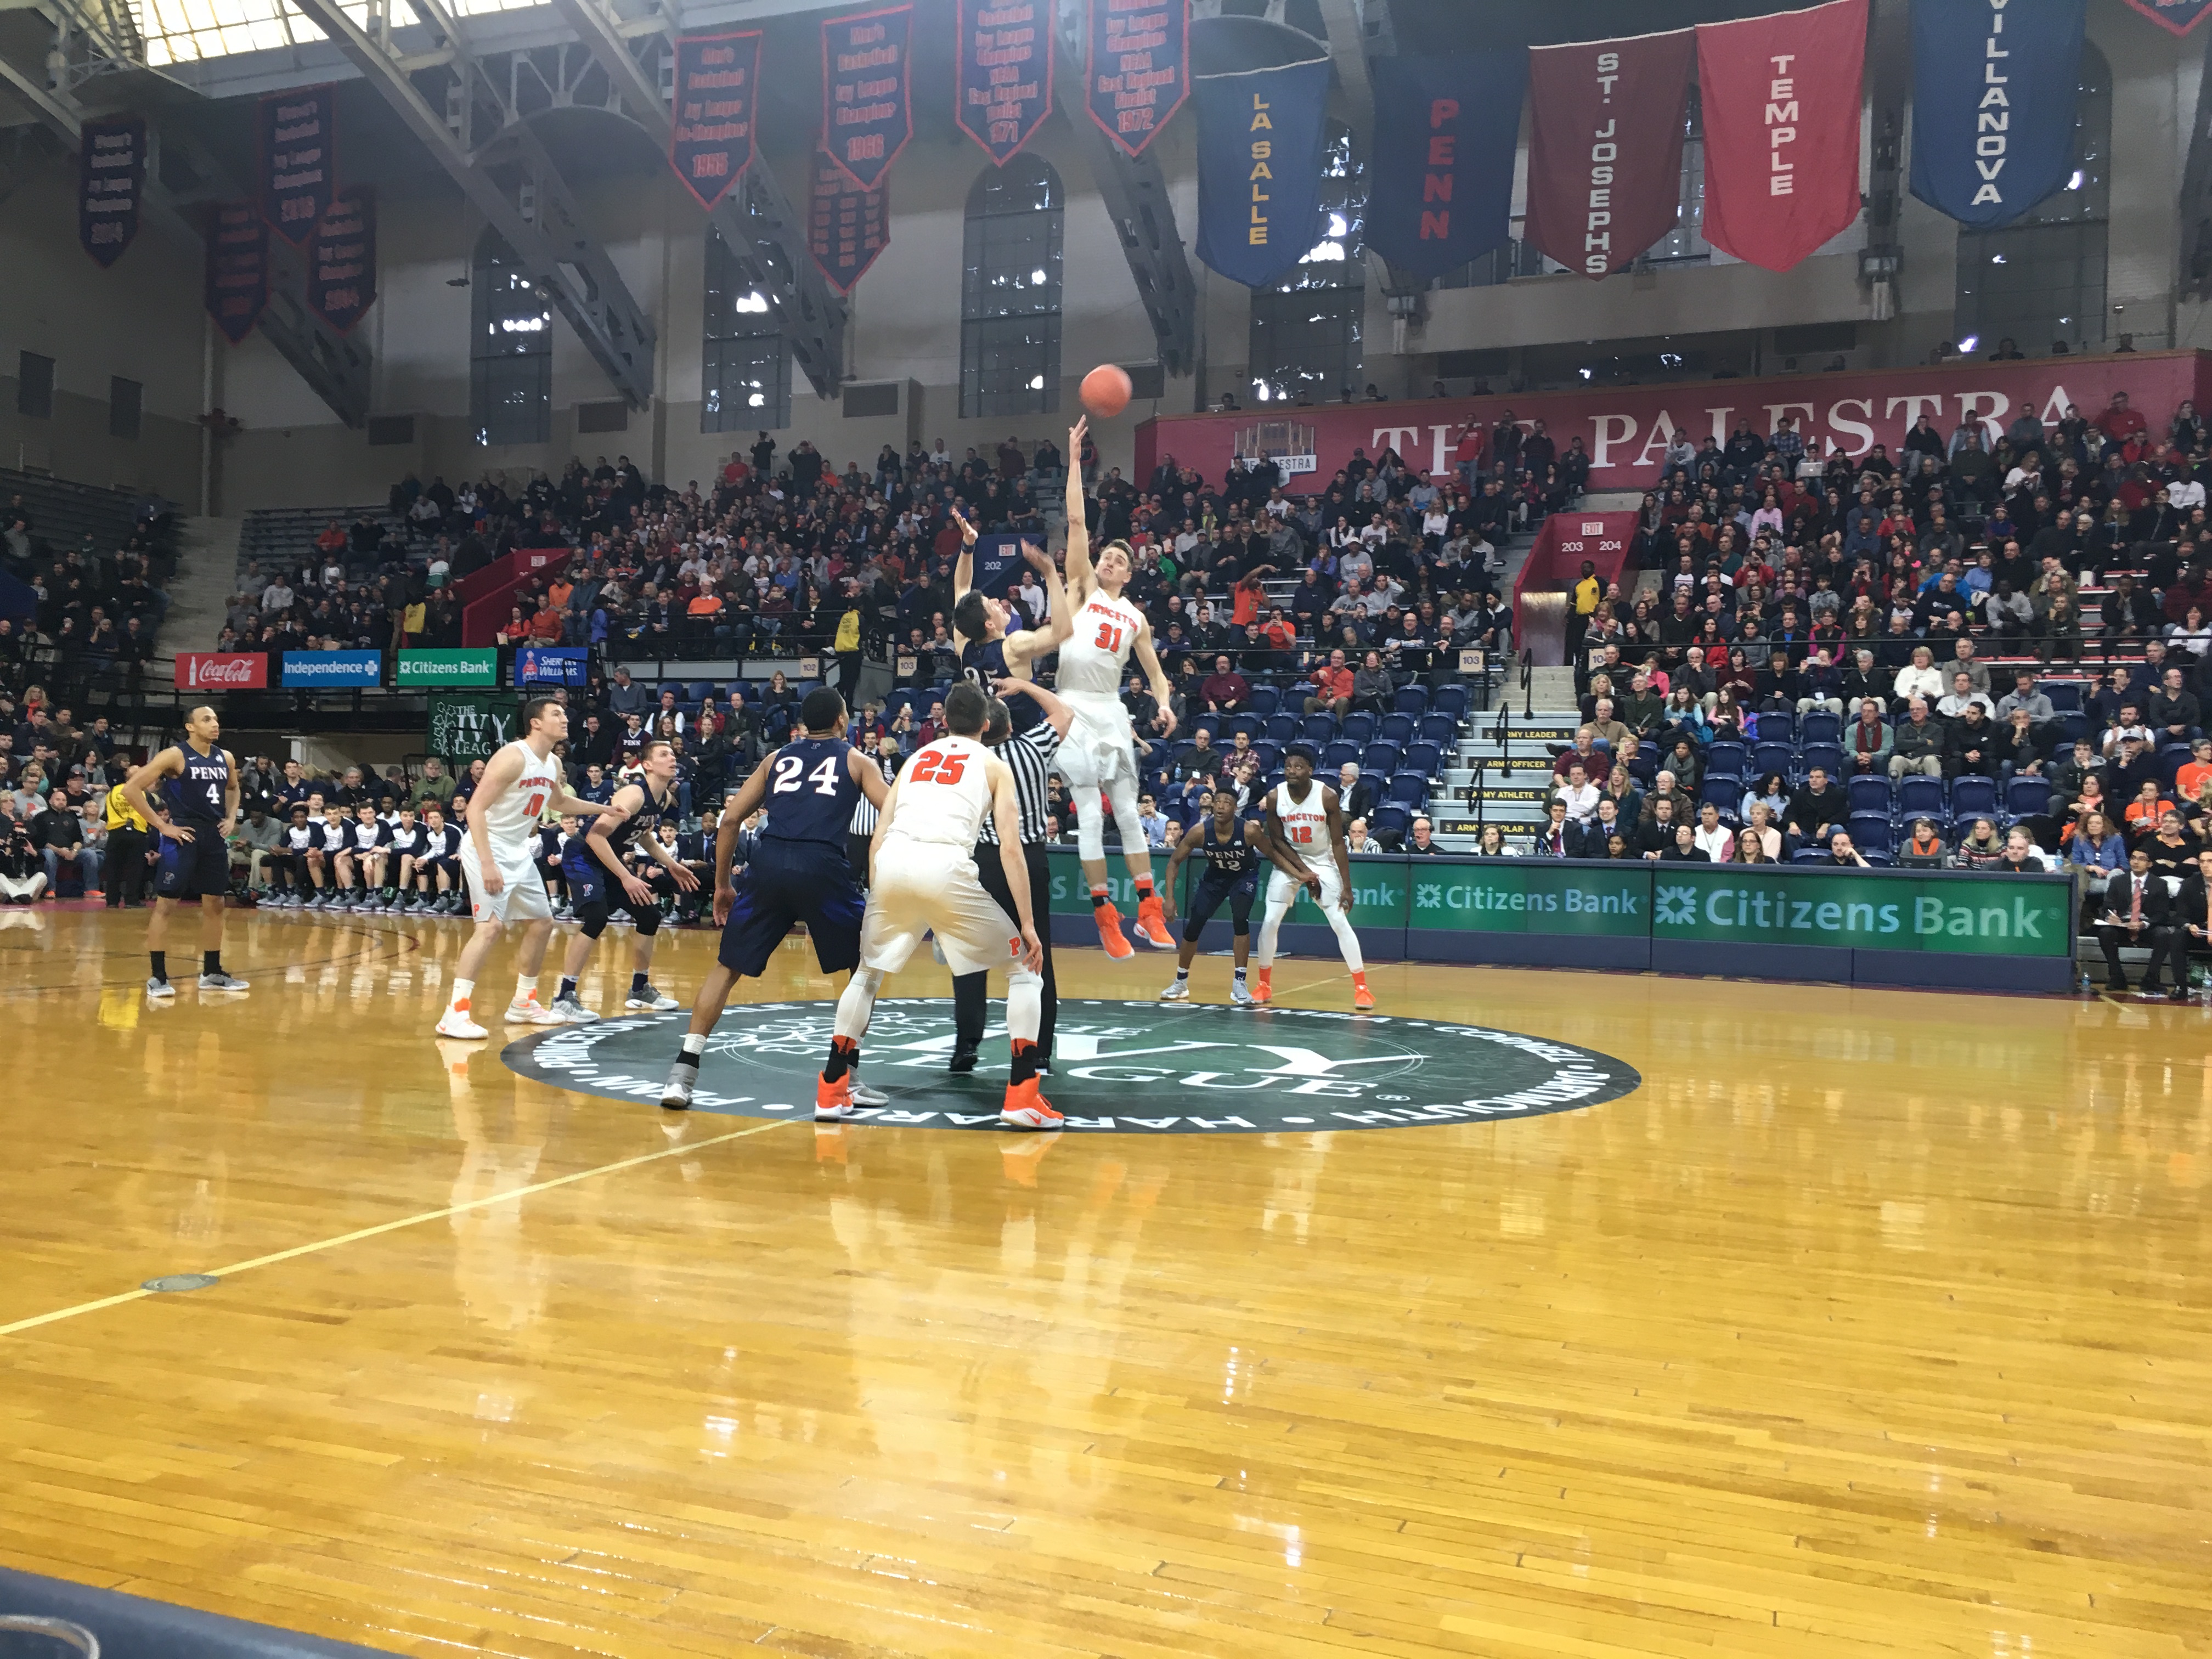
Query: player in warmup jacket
{"points": [[1234, 852], [499, 858], [363, 859], [1100, 751], [1305, 826], [437, 864], [988, 653], [593, 868], [198, 809], [923, 880], [799, 871]]}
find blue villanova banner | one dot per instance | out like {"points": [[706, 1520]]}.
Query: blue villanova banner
{"points": [[1993, 94], [1440, 181], [1260, 141]]}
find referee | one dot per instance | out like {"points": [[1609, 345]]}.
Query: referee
{"points": [[862, 830], [1029, 756]]}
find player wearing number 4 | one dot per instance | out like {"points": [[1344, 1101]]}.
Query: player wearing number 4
{"points": [[1305, 828], [199, 791], [592, 866], [799, 871], [499, 858], [1100, 751]]}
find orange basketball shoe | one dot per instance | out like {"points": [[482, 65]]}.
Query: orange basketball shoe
{"points": [[1109, 932], [832, 1101], [1361, 996], [1026, 1108], [1152, 923], [1263, 989]]}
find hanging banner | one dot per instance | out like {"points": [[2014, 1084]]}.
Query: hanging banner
{"points": [[1003, 86], [846, 226], [237, 269], [298, 160], [1993, 94], [1781, 98], [1605, 148], [2179, 15], [341, 260], [1136, 67], [1260, 141], [1440, 184], [711, 143], [111, 185], [867, 113]]}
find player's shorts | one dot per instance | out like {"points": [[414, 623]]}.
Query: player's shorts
{"points": [[924, 887], [783, 883], [1283, 892], [1101, 744], [590, 887], [1209, 895], [521, 897], [195, 869]]}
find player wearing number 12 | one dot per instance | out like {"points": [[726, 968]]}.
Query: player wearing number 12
{"points": [[199, 791], [1304, 826]]}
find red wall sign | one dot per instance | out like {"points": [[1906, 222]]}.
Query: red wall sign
{"points": [[221, 671]]}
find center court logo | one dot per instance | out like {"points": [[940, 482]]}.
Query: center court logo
{"points": [[1120, 1068]]}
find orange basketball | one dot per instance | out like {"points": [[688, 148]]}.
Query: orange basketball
{"points": [[1106, 391]]}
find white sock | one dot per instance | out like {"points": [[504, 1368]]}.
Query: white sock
{"points": [[461, 989], [525, 987], [694, 1042]]}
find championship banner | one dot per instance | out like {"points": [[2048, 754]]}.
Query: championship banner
{"points": [[1260, 143], [467, 726], [1136, 67], [1988, 146], [867, 111], [299, 172], [237, 270], [846, 226], [551, 665], [1781, 98], [221, 671], [2179, 15], [110, 183], [1002, 90], [1440, 182], [341, 260], [717, 80], [1605, 148]]}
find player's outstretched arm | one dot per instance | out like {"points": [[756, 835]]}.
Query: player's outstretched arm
{"points": [[963, 568], [1156, 677], [1185, 845], [165, 764], [1059, 614], [1079, 579], [1057, 714], [568, 805]]}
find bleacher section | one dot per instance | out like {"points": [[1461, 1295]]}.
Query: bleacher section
{"points": [[63, 514], [283, 537]]}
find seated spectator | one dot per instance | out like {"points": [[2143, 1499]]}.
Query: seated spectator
{"points": [[1713, 838], [1868, 743], [1332, 688], [1980, 849], [1923, 844], [2139, 911], [2096, 845], [1422, 842], [1683, 848], [1358, 839], [1843, 854], [1920, 746], [58, 833]]}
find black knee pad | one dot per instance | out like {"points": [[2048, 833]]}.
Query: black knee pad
{"points": [[593, 917], [648, 918]]}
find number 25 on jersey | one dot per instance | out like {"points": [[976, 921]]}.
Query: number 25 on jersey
{"points": [[934, 767]]}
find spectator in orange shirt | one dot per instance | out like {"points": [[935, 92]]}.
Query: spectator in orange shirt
{"points": [[1248, 597], [1332, 683], [558, 593], [2189, 782], [545, 626], [2142, 811], [332, 541]]}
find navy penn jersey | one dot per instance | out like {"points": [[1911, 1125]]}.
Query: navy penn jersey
{"points": [[811, 792], [580, 859], [197, 796], [1228, 863], [982, 661]]}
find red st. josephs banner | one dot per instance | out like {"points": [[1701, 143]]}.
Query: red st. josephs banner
{"points": [[1781, 98], [1625, 429], [1605, 150]]}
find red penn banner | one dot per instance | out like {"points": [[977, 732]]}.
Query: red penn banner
{"points": [[1605, 152], [1781, 99], [710, 143], [1003, 89], [221, 671]]}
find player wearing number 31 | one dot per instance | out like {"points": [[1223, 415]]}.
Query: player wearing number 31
{"points": [[199, 810], [498, 857]]}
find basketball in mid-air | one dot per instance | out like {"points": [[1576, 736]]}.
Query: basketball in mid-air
{"points": [[1106, 391]]}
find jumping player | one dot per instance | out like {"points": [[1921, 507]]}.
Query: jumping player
{"points": [[1233, 853], [1304, 827], [923, 878], [593, 867], [1099, 753], [198, 811], [988, 653], [499, 858], [798, 871]]}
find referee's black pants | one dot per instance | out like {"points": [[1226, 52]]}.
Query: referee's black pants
{"points": [[968, 989]]}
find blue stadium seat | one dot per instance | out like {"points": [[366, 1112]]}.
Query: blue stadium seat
{"points": [[1808, 855], [2065, 695], [1271, 756], [1249, 725], [1358, 728], [1281, 728], [1439, 729], [1392, 821], [1339, 753], [1772, 757], [2027, 797], [1725, 792], [1828, 757], [1422, 757], [1319, 729], [1410, 699], [1869, 829], [2170, 758], [1266, 699], [895, 701], [1645, 767], [1973, 796], [1380, 760], [697, 692], [1767, 728], [1398, 728], [2075, 726], [1868, 795], [1880, 857], [1730, 757], [1408, 789], [1209, 724], [1917, 795], [1450, 699], [1819, 725]]}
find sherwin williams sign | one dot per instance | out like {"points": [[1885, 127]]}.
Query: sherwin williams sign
{"points": [[1864, 911], [1530, 896], [479, 667]]}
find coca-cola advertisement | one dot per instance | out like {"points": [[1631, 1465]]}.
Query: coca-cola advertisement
{"points": [[221, 671], [1625, 429]]}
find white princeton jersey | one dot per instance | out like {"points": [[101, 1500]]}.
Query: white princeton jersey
{"points": [[943, 795], [1306, 825], [1092, 658], [512, 820]]}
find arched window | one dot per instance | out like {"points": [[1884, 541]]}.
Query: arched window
{"points": [[1010, 291], [2042, 279], [1305, 334], [510, 349], [745, 373]]}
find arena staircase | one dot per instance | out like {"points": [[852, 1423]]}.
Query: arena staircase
{"points": [[206, 575], [1514, 749]]}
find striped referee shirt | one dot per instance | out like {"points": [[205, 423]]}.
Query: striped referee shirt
{"points": [[864, 810], [1029, 756]]}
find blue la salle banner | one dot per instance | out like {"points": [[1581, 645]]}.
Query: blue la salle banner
{"points": [[1993, 94], [551, 665], [311, 668], [1259, 140], [1440, 181]]}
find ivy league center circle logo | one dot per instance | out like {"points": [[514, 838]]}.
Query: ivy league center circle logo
{"points": [[1118, 1067]]}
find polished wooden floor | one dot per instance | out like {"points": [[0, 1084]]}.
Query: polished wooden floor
{"points": [[1873, 1323]]}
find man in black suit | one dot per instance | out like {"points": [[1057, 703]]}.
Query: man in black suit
{"points": [[2138, 910], [2193, 912], [1354, 794]]}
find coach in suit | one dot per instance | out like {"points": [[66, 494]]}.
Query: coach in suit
{"points": [[2138, 910]]}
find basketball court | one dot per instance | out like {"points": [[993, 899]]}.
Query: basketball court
{"points": [[1541, 1313]]}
